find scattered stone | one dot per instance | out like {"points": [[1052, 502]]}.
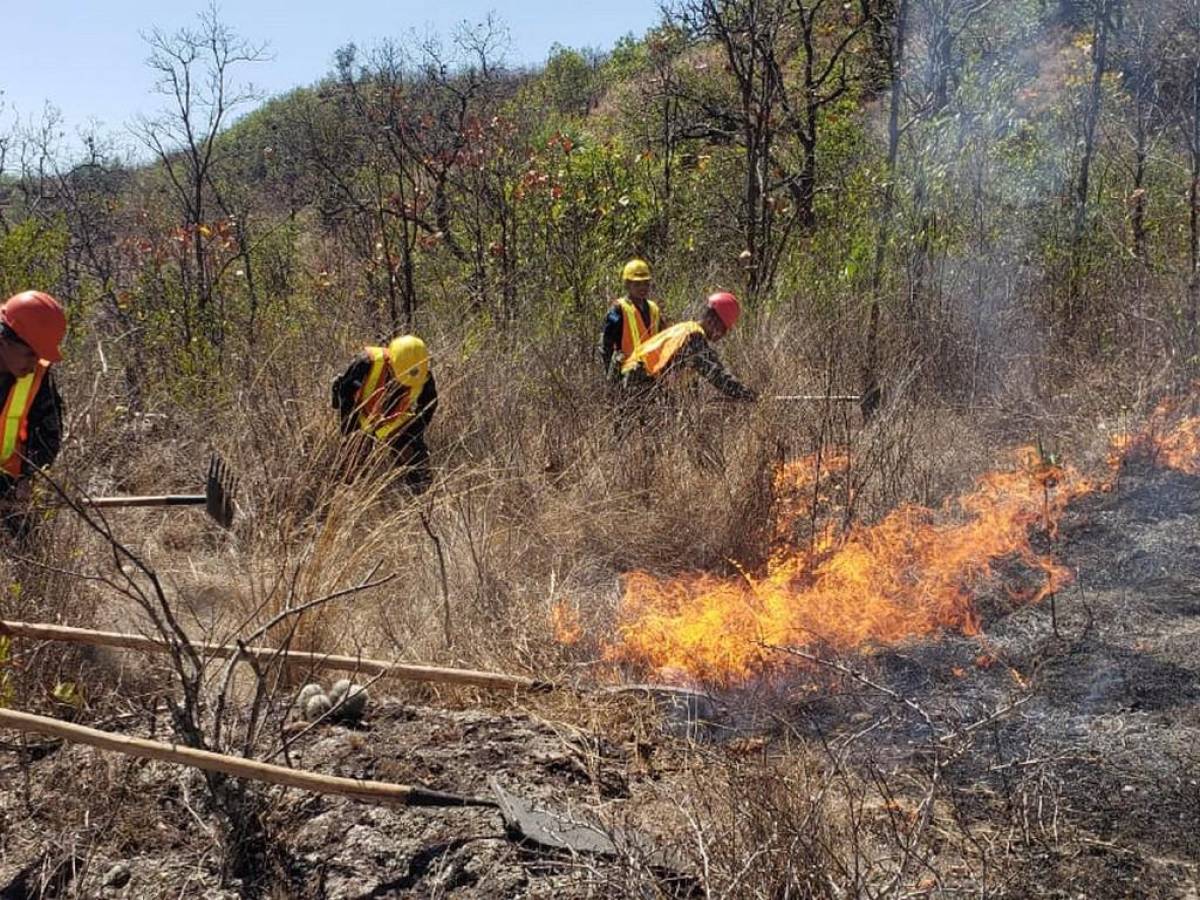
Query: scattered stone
{"points": [[338, 691], [307, 693], [118, 876], [316, 707], [354, 704]]}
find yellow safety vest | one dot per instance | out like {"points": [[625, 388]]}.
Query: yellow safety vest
{"points": [[372, 418], [654, 353], [633, 329], [15, 417]]}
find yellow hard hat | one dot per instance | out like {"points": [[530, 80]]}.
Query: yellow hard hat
{"points": [[410, 359], [636, 270]]}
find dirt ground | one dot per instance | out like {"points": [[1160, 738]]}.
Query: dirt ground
{"points": [[1057, 754]]}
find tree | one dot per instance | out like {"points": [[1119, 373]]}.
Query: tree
{"points": [[1104, 23], [195, 71], [757, 39], [871, 391]]}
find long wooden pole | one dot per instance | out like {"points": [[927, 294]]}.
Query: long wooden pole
{"points": [[239, 767], [495, 681]]}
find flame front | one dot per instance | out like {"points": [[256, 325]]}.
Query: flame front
{"points": [[1172, 446], [910, 574]]}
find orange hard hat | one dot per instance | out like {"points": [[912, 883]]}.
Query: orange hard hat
{"points": [[38, 320], [726, 306]]}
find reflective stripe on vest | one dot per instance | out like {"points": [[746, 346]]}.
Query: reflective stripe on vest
{"points": [[633, 330], [371, 395], [16, 418], [656, 352]]}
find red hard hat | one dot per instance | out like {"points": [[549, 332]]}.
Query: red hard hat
{"points": [[726, 306], [38, 320]]}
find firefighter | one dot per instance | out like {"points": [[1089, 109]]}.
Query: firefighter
{"points": [[631, 319], [687, 346], [388, 396], [32, 325]]}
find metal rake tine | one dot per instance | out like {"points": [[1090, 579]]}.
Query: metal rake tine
{"points": [[219, 490]]}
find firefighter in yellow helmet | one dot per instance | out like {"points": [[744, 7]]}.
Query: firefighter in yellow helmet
{"points": [[388, 395], [631, 319]]}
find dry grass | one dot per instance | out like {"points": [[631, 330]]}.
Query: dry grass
{"points": [[540, 498]]}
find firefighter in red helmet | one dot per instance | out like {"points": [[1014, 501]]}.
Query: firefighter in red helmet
{"points": [[32, 326], [688, 347]]}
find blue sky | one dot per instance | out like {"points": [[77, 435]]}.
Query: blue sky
{"points": [[88, 58]]}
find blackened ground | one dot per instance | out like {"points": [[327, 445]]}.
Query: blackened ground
{"points": [[80, 813], [1060, 749], [1067, 735]]}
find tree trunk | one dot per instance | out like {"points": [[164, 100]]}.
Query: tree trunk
{"points": [[870, 371], [1100, 35]]}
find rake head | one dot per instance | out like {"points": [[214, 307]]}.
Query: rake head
{"points": [[218, 491]]}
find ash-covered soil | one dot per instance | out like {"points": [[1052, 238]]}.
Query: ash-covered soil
{"points": [[1057, 755], [1066, 737], [84, 824]]}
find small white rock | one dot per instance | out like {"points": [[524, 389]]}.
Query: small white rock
{"points": [[316, 707], [338, 691], [354, 704], [307, 693]]}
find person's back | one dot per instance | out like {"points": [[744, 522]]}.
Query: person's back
{"points": [[687, 346], [388, 396]]}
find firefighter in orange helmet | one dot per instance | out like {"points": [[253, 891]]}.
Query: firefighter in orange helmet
{"points": [[631, 319], [388, 396], [687, 346], [32, 325]]}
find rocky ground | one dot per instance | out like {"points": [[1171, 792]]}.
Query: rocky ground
{"points": [[1058, 755]]}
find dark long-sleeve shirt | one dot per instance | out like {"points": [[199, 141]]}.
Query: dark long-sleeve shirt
{"points": [[348, 384], [613, 331], [45, 426], [698, 354]]}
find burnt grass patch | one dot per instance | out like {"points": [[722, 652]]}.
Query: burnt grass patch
{"points": [[1067, 731], [1058, 750]]}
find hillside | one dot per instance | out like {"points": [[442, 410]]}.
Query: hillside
{"points": [[915, 621]]}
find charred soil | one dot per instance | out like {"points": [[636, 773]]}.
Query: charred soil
{"points": [[1056, 754]]}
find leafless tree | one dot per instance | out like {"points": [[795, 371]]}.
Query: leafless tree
{"points": [[871, 390], [1105, 16], [195, 70], [1185, 59]]}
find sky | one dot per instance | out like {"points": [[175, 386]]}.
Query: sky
{"points": [[88, 58]]}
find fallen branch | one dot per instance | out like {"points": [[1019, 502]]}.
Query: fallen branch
{"points": [[238, 767], [495, 681]]}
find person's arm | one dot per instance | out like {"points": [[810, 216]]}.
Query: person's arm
{"points": [[610, 337], [703, 358], [426, 406], [663, 322], [346, 388]]}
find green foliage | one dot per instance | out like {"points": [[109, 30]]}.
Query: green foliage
{"points": [[32, 255], [571, 84], [68, 694]]}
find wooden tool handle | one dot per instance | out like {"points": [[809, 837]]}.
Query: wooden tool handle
{"points": [[150, 500], [239, 767], [495, 681]]}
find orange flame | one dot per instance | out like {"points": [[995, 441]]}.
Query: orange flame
{"points": [[910, 574], [1172, 446], [565, 619]]}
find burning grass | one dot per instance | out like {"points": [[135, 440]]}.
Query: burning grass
{"points": [[912, 573]]}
